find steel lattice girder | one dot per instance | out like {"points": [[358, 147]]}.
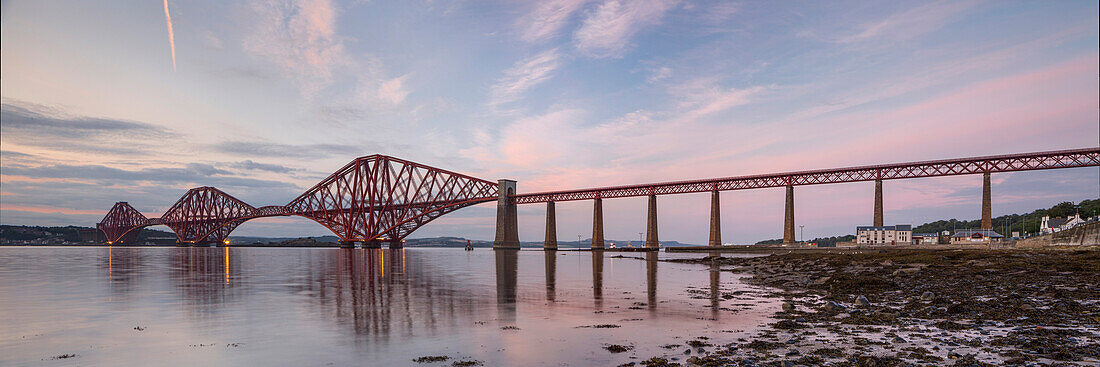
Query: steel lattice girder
{"points": [[205, 211], [948, 167], [370, 198], [379, 196], [120, 220]]}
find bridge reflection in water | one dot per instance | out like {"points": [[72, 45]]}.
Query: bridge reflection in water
{"points": [[375, 290], [372, 289], [510, 307]]}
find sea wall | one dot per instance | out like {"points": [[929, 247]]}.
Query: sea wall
{"points": [[1088, 234]]}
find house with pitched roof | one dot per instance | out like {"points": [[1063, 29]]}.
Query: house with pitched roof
{"points": [[1050, 225], [975, 236]]}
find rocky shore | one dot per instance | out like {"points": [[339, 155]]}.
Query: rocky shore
{"points": [[916, 307]]}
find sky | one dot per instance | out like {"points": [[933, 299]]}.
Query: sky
{"points": [[137, 101]]}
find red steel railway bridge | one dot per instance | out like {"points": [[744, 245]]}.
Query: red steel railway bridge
{"points": [[378, 199]]}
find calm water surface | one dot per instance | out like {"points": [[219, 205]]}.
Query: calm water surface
{"points": [[316, 307]]}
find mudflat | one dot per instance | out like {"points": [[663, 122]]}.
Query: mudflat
{"points": [[919, 307]]}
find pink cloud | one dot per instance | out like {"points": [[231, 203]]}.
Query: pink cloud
{"points": [[300, 38], [51, 210]]}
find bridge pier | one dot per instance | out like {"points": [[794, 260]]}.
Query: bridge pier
{"points": [[788, 217], [551, 241], [651, 241], [347, 244], [597, 224], [507, 223], [715, 220], [371, 244], [878, 203], [396, 244], [987, 207]]}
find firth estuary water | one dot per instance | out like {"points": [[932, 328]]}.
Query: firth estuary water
{"points": [[168, 306]]}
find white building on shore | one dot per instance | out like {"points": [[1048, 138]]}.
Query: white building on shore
{"points": [[901, 234], [926, 238], [1050, 225]]}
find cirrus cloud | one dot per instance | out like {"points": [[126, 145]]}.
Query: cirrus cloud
{"points": [[607, 30]]}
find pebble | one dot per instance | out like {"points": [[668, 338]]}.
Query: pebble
{"points": [[863, 301], [833, 306], [898, 339], [927, 296], [687, 351], [788, 307]]}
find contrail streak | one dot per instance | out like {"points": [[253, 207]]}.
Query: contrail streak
{"points": [[171, 36]]}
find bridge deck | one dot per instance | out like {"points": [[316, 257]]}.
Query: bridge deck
{"points": [[947, 167]]}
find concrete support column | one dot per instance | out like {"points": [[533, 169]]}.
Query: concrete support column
{"points": [[878, 203], [348, 244], [788, 217], [372, 244], [551, 242], [651, 241], [507, 226], [987, 207], [715, 220], [396, 243], [597, 224]]}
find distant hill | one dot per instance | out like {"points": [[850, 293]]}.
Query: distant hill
{"points": [[69, 235], [272, 240], [586, 243], [1005, 223], [1015, 222]]}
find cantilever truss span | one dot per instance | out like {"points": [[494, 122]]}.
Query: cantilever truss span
{"points": [[371, 198]]}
